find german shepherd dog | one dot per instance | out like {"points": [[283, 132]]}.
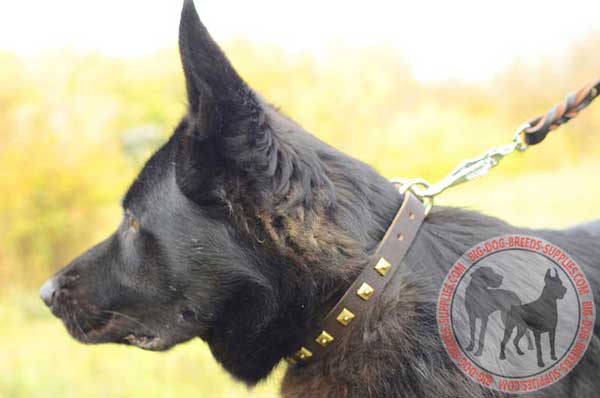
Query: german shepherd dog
{"points": [[244, 230], [539, 316]]}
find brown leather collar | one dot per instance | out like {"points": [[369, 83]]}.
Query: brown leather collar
{"points": [[369, 285]]}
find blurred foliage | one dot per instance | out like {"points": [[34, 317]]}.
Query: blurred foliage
{"points": [[75, 128]]}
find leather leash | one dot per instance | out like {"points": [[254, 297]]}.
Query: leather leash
{"points": [[561, 113], [369, 285]]}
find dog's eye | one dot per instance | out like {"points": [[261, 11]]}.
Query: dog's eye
{"points": [[134, 224]]}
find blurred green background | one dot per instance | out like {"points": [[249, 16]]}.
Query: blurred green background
{"points": [[75, 129]]}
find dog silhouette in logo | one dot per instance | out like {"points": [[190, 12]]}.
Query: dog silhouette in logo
{"points": [[482, 298], [539, 316]]}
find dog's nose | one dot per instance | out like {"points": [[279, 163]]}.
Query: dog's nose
{"points": [[48, 291]]}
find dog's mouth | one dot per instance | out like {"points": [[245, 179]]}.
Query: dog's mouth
{"points": [[112, 328], [150, 343]]}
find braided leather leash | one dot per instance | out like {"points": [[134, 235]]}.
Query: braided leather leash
{"points": [[561, 113]]}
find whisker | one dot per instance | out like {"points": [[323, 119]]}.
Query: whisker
{"points": [[129, 318], [73, 318]]}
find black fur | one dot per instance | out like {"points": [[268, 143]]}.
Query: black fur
{"points": [[244, 229]]}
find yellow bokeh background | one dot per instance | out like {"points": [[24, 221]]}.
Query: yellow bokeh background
{"points": [[75, 129]]}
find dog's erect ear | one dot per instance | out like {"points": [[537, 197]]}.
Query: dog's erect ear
{"points": [[226, 127], [548, 274]]}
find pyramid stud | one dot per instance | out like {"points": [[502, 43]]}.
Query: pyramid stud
{"points": [[345, 317], [324, 339], [302, 355], [382, 266], [365, 291]]}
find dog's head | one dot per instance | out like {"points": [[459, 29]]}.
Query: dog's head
{"points": [[227, 230], [486, 277], [553, 285]]}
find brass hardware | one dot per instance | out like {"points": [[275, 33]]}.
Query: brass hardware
{"points": [[382, 266], [400, 237], [301, 355], [411, 216], [324, 339], [365, 291], [345, 317]]}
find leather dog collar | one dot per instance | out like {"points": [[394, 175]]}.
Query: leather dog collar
{"points": [[369, 285]]}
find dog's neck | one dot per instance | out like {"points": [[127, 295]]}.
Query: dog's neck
{"points": [[344, 237]]}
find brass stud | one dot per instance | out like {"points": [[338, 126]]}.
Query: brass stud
{"points": [[400, 237], [345, 317], [411, 216], [324, 339], [302, 355], [365, 291], [382, 266]]}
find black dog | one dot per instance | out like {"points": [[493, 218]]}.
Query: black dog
{"points": [[244, 230], [482, 298], [540, 316]]}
